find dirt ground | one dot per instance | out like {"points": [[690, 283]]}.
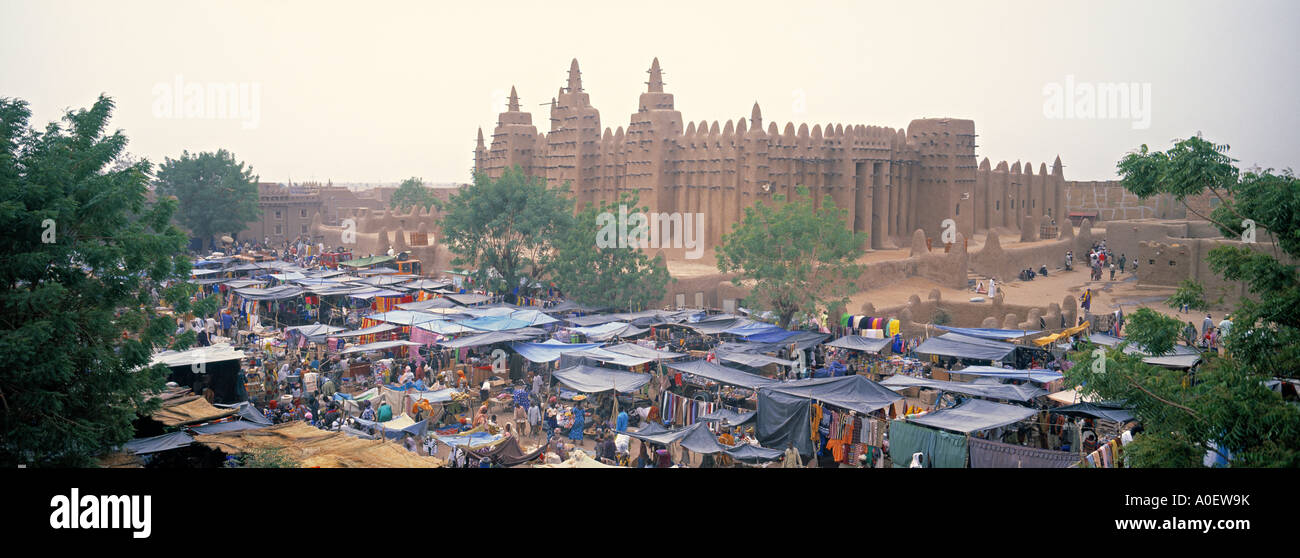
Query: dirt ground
{"points": [[1107, 295]]}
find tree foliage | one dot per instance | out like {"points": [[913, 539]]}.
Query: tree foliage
{"points": [[84, 260], [798, 258], [216, 193], [412, 193], [611, 276], [504, 229], [1224, 406], [1191, 294]]}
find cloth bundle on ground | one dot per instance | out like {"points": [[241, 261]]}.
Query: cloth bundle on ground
{"points": [[990, 454], [941, 449], [508, 453]]}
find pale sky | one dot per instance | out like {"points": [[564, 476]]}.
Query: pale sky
{"points": [[379, 91]]}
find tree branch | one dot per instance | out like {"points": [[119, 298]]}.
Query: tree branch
{"points": [[1166, 401]]}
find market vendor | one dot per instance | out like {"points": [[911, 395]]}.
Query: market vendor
{"points": [[575, 433], [622, 422], [558, 447]]}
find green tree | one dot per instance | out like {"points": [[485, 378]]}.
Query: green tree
{"points": [[601, 274], [412, 193], [504, 229], [84, 260], [1190, 293], [797, 257], [1225, 405], [217, 194]]}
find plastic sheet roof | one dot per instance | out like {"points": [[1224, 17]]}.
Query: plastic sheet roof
{"points": [[379, 346], [610, 330], [1038, 375], [856, 393], [963, 346], [974, 415], [992, 391], [491, 338], [632, 349], [220, 352], [273, 293], [549, 350], [591, 379], [859, 343], [721, 374]]}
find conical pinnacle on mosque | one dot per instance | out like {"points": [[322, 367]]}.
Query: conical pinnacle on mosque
{"points": [[656, 83], [575, 77]]}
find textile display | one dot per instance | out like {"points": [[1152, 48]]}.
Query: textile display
{"points": [[990, 454], [680, 411], [941, 449]]}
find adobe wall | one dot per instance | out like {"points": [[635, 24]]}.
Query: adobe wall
{"points": [[1168, 263], [1112, 202], [948, 269], [1005, 264], [917, 314], [378, 230]]}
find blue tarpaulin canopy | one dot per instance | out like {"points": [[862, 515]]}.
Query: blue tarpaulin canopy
{"points": [[592, 320], [964, 346], [315, 333], [855, 393], [656, 434], [974, 415], [632, 349], [418, 429], [445, 327], [173, 440], [229, 426], [774, 336], [492, 338], [859, 343], [380, 346], [476, 439], [591, 379], [1096, 410], [247, 412], [700, 439], [610, 330], [721, 374], [753, 359], [716, 326], [752, 328], [372, 293], [993, 391], [273, 293], [989, 333], [404, 317], [469, 299], [607, 357], [549, 350], [440, 302], [381, 328], [748, 453], [1037, 375], [517, 319], [733, 418], [440, 396], [1181, 356]]}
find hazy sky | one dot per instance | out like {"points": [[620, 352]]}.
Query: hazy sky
{"points": [[378, 91]]}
